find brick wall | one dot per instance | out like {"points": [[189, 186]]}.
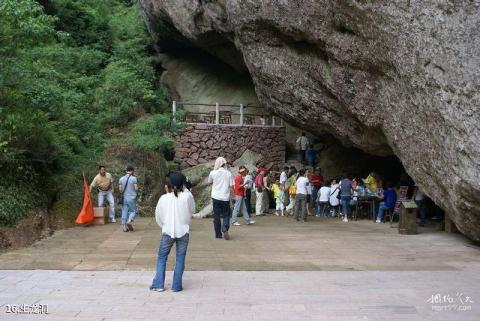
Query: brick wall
{"points": [[201, 143]]}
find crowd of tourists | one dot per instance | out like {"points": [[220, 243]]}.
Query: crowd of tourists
{"points": [[298, 193], [305, 193]]}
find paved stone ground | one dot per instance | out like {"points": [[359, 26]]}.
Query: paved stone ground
{"points": [[273, 244], [277, 270], [240, 295]]}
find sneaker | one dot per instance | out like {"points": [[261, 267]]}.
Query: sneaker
{"points": [[157, 289], [378, 221], [113, 220], [277, 214], [236, 224], [129, 225], [345, 220], [283, 214], [226, 236], [125, 228], [251, 222]]}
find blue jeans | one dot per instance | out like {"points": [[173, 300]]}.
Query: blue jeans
{"points": [[240, 206], [111, 201], [221, 209], [314, 199], [129, 208], [248, 200], [345, 203], [322, 208], [381, 209], [166, 244]]}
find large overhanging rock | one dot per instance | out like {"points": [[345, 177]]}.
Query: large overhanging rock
{"points": [[383, 76], [202, 190]]}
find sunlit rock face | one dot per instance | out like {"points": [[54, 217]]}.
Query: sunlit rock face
{"points": [[399, 77]]}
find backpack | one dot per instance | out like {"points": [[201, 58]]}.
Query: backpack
{"points": [[338, 195], [292, 190], [259, 180]]}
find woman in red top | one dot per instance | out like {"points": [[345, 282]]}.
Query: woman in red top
{"points": [[239, 192]]}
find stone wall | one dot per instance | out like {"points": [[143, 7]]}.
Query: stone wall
{"points": [[201, 143]]}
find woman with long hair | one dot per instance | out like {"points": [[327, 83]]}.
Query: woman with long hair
{"points": [[173, 214]]}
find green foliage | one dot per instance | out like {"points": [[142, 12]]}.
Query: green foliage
{"points": [[69, 71], [85, 21], [23, 25], [125, 93], [152, 133], [15, 203]]}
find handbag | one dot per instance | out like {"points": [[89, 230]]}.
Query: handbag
{"points": [[292, 190], [120, 199], [338, 195]]}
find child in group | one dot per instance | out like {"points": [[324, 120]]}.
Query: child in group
{"points": [[292, 190], [279, 195]]}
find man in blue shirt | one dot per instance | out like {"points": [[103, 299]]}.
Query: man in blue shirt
{"points": [[128, 188], [389, 200]]}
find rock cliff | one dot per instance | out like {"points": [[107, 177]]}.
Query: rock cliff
{"points": [[388, 77]]}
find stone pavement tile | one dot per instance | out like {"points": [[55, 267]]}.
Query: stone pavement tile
{"points": [[275, 244], [253, 296]]}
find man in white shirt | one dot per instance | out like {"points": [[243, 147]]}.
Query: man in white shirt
{"points": [[283, 175], [222, 185], [284, 182], [323, 200], [302, 143], [301, 196]]}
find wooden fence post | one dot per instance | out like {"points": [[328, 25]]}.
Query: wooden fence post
{"points": [[241, 114], [174, 109], [217, 114]]}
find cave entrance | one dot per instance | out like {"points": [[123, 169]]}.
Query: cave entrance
{"points": [[335, 159]]}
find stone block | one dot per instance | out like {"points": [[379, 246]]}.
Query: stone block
{"points": [[180, 154], [100, 211]]}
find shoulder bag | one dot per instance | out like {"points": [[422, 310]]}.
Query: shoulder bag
{"points": [[120, 199]]}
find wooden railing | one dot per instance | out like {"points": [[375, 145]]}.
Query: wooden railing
{"points": [[225, 114]]}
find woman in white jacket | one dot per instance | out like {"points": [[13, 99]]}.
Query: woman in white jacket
{"points": [[173, 214]]}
